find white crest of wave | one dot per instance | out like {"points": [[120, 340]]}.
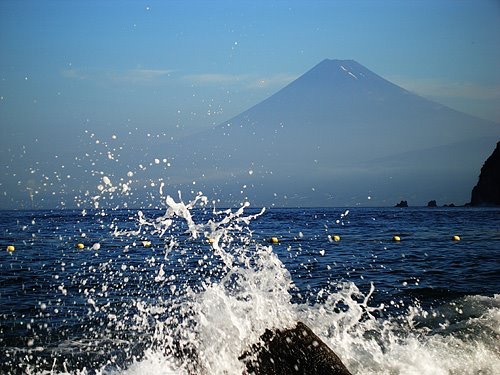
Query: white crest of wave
{"points": [[234, 313], [407, 343]]}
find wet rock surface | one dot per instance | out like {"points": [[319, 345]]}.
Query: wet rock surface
{"points": [[292, 351]]}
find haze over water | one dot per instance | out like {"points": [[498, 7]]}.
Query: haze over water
{"points": [[138, 75]]}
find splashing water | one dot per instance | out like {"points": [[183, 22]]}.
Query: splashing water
{"points": [[201, 290], [249, 290], [246, 291]]}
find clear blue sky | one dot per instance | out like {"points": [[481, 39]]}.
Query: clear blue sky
{"points": [[173, 67]]}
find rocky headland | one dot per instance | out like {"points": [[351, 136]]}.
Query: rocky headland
{"points": [[487, 190]]}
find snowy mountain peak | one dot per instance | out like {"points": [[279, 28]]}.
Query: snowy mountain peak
{"points": [[343, 127]]}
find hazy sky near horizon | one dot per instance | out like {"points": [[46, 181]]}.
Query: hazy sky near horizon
{"points": [[173, 67]]}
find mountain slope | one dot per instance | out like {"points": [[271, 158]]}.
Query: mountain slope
{"points": [[320, 135]]}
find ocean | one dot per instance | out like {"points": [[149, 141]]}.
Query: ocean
{"points": [[188, 287]]}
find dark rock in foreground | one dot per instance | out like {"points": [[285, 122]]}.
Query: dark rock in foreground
{"points": [[402, 204], [292, 351], [487, 190]]}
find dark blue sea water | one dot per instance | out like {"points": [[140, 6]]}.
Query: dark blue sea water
{"points": [[149, 284]]}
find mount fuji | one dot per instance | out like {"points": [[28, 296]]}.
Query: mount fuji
{"points": [[339, 135]]}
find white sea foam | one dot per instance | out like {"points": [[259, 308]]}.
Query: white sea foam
{"points": [[231, 314], [216, 323], [366, 346]]}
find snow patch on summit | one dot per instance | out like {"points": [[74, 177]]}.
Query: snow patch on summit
{"points": [[352, 75], [347, 71]]}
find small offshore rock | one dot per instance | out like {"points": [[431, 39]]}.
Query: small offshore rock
{"points": [[402, 204]]}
